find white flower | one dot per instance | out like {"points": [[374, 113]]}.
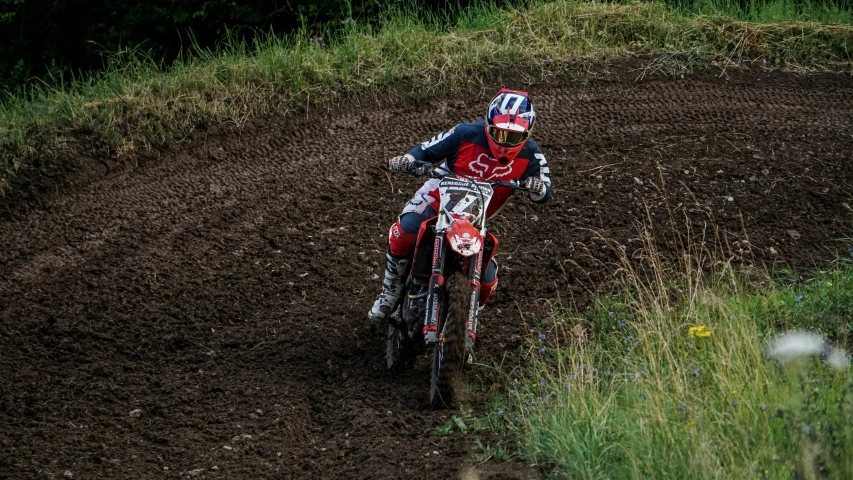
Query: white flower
{"points": [[791, 345], [795, 344], [837, 359]]}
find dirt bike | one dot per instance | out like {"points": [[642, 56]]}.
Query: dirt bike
{"points": [[440, 304]]}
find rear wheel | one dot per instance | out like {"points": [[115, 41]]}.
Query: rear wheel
{"points": [[450, 348], [398, 346]]}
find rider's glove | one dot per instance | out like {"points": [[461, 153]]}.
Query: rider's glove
{"points": [[403, 163], [535, 186]]}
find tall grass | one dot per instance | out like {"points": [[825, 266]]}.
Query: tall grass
{"points": [[820, 11], [672, 377], [137, 104]]}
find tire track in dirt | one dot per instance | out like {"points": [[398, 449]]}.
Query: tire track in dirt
{"points": [[220, 294]]}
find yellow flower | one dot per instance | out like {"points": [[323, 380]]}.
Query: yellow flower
{"points": [[828, 284], [700, 331]]}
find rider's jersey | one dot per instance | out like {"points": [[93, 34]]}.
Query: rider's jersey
{"points": [[465, 151]]}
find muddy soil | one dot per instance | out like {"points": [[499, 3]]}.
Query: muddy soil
{"points": [[204, 315]]}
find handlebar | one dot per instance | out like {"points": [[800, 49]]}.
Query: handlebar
{"points": [[428, 169]]}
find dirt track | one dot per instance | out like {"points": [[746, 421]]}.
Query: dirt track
{"points": [[204, 316]]}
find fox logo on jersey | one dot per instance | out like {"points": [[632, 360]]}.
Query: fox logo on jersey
{"points": [[484, 163]]}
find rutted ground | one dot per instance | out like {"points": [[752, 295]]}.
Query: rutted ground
{"points": [[205, 316]]}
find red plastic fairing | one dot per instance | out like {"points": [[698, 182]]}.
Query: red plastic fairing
{"points": [[424, 225], [489, 235], [464, 239], [486, 291]]}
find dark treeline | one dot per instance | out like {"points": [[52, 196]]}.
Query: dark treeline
{"points": [[52, 39]]}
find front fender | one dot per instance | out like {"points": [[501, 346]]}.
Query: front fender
{"points": [[464, 238]]}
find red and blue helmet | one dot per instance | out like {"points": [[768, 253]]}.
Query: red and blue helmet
{"points": [[508, 123]]}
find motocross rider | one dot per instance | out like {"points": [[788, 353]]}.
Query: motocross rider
{"points": [[495, 148]]}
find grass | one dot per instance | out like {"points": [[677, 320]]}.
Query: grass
{"points": [[768, 11], [136, 104], [673, 377]]}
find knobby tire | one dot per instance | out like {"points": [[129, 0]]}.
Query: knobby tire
{"points": [[450, 353], [398, 349]]}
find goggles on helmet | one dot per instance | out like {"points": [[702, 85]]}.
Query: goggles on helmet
{"points": [[507, 138]]}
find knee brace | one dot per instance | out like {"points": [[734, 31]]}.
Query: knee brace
{"points": [[400, 242]]}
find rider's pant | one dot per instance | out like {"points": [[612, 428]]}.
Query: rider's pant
{"points": [[404, 233]]}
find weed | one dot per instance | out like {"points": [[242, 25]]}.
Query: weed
{"points": [[491, 452], [684, 375]]}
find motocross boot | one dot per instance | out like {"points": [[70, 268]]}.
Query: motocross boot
{"points": [[396, 269]]}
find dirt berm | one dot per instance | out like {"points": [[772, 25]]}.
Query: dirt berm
{"points": [[204, 316]]}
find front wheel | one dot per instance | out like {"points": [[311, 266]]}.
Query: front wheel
{"points": [[450, 348]]}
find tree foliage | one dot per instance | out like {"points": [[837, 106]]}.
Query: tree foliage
{"points": [[53, 39]]}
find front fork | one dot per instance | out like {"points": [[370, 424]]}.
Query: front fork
{"points": [[434, 303], [436, 281], [474, 264]]}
